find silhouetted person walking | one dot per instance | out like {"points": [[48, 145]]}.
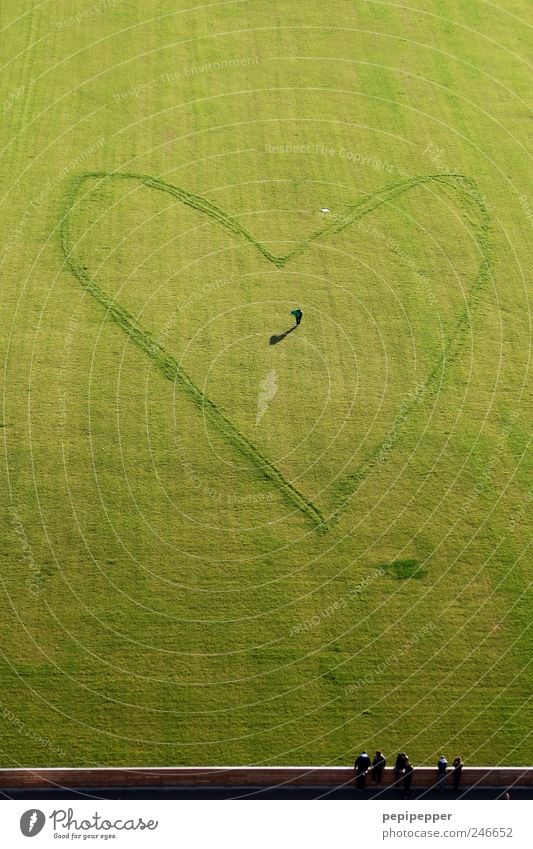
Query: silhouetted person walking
{"points": [[362, 765], [297, 313], [378, 765], [457, 773], [442, 767]]}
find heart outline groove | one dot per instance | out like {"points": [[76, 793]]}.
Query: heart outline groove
{"points": [[172, 370]]}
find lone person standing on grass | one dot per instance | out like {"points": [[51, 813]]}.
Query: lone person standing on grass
{"points": [[297, 313]]}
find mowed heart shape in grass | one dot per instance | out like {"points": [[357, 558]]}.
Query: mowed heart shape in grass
{"points": [[173, 370]]}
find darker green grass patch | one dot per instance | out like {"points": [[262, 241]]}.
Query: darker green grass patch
{"points": [[402, 570]]}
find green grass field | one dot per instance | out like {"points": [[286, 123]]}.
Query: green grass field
{"points": [[221, 542]]}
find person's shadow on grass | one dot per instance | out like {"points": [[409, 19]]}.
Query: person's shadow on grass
{"points": [[275, 339]]}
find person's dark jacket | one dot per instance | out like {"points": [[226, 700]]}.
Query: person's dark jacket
{"points": [[362, 764], [408, 775], [380, 762], [457, 773], [400, 765]]}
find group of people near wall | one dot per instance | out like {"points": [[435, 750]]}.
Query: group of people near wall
{"points": [[403, 771]]}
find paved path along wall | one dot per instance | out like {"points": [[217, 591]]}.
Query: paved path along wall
{"points": [[192, 777]]}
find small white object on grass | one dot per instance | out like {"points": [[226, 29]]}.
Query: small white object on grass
{"points": [[324, 209]]}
